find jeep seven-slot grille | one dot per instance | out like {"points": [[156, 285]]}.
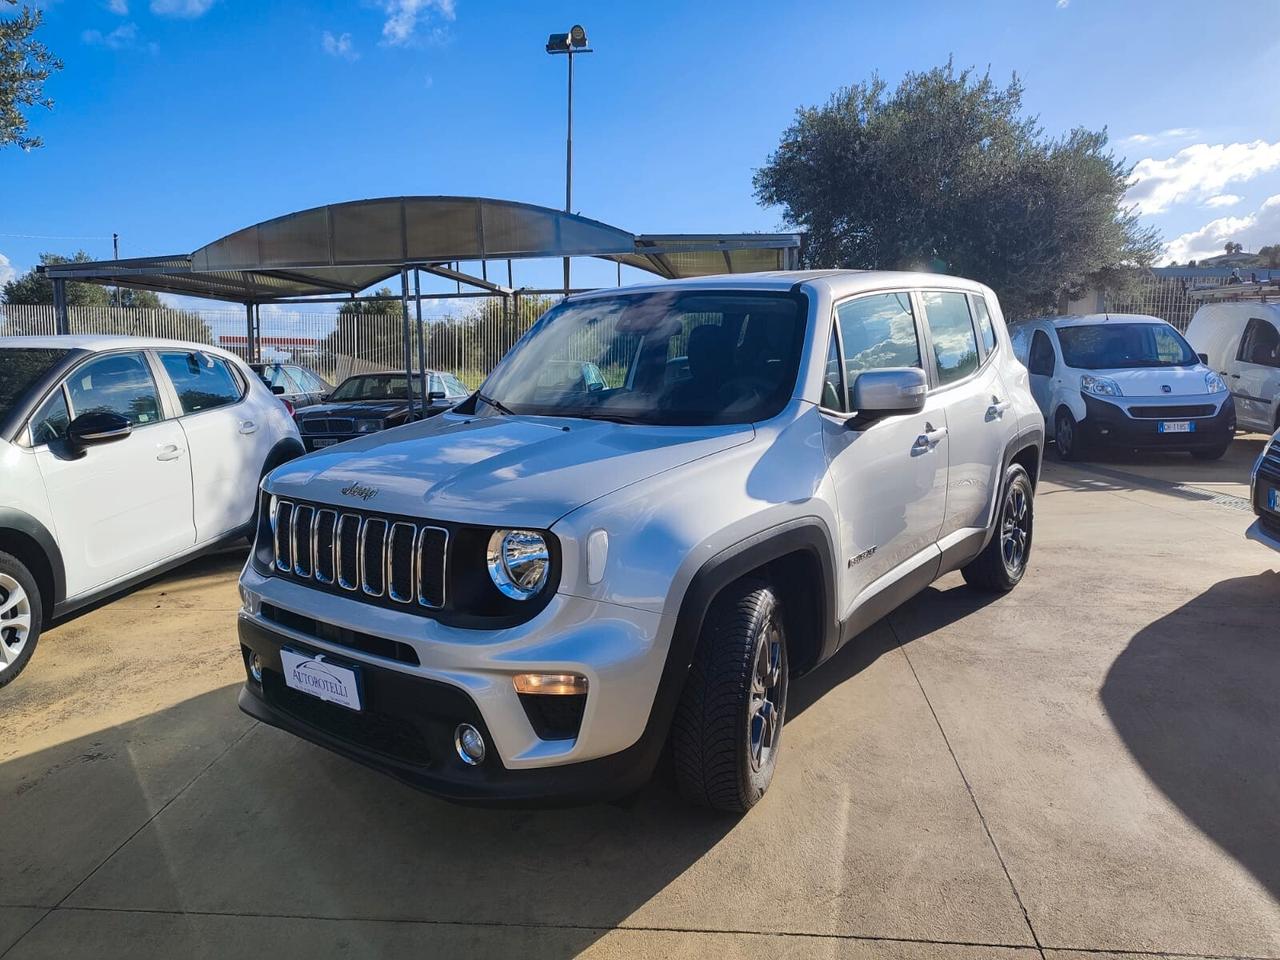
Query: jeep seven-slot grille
{"points": [[378, 559]]}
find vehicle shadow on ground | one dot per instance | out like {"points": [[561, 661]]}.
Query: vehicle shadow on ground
{"points": [[281, 828], [1194, 697], [1149, 467], [932, 609]]}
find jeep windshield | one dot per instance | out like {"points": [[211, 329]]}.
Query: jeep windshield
{"points": [[20, 368], [1119, 346], [684, 357]]}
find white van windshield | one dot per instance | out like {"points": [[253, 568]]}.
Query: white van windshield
{"points": [[1118, 346]]}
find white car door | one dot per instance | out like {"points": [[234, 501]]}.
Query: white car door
{"points": [[970, 390], [1254, 376], [228, 443], [890, 477], [123, 506]]}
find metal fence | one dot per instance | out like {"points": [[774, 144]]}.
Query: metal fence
{"points": [[463, 336]]}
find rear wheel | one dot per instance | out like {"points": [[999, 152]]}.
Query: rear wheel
{"points": [[728, 727], [1003, 561], [21, 617], [1066, 436]]}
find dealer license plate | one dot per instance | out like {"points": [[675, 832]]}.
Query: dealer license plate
{"points": [[311, 673], [324, 443], [1177, 426]]}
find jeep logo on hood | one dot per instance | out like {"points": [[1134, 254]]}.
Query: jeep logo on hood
{"points": [[356, 490]]}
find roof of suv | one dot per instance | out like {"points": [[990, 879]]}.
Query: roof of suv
{"points": [[840, 282]]}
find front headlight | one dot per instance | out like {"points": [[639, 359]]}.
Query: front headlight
{"points": [[368, 426], [519, 562], [1100, 386], [1214, 383]]}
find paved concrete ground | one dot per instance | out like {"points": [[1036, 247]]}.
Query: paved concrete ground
{"points": [[1089, 767]]}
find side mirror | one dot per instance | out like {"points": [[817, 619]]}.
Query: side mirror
{"points": [[1204, 358], [97, 427], [435, 396], [885, 393], [278, 390]]}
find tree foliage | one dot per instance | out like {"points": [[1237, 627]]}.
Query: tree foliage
{"points": [[33, 287], [946, 172], [25, 64]]}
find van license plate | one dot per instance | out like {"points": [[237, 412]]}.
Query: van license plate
{"points": [[326, 681], [1177, 426]]}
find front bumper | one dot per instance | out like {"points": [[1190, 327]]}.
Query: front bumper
{"points": [[424, 678], [406, 730], [1110, 424]]}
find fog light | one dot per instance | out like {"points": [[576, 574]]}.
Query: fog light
{"points": [[255, 668], [469, 744], [553, 684]]}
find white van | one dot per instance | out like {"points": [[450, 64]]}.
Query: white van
{"points": [[1241, 341]]}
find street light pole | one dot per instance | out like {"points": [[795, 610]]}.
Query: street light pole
{"points": [[575, 41]]}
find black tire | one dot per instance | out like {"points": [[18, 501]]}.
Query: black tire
{"points": [[1066, 436], [724, 742], [27, 610], [1001, 564]]}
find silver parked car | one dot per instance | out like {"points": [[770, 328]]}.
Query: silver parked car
{"points": [[724, 481]]}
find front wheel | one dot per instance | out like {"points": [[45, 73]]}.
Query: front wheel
{"points": [[1066, 436], [728, 727], [21, 617], [1003, 561]]}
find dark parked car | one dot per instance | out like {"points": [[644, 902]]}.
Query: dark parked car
{"points": [[371, 402], [301, 387]]}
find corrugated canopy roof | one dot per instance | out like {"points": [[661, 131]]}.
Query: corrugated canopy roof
{"points": [[345, 248]]}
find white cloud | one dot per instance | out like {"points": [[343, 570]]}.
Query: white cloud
{"points": [[403, 15], [1198, 172], [120, 7], [1223, 200], [7, 272], [125, 35], [339, 46], [1251, 231], [1063, 4], [1163, 136], [181, 8]]}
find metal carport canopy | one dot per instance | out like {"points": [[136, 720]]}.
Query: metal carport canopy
{"points": [[345, 248]]}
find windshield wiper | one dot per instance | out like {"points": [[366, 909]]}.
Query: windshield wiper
{"points": [[611, 417], [496, 404]]}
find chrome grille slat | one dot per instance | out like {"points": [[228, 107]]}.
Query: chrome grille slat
{"points": [[379, 559]]}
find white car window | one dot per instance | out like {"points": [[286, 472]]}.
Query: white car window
{"points": [[955, 345], [203, 382], [117, 383]]}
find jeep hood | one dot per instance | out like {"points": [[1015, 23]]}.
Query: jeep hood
{"points": [[509, 470]]}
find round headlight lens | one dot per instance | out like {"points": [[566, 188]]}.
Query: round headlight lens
{"points": [[519, 562]]}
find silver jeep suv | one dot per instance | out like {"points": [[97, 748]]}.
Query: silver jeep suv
{"points": [[534, 594]]}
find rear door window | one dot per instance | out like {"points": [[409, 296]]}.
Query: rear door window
{"points": [[203, 382], [955, 345]]}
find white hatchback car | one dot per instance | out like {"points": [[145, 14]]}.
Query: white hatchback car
{"points": [[120, 456], [1123, 380]]}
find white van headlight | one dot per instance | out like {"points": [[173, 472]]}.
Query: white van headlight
{"points": [[1100, 386], [1214, 383], [519, 562]]}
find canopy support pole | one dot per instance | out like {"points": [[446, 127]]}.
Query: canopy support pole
{"points": [[422, 339], [62, 324], [248, 333], [408, 356]]}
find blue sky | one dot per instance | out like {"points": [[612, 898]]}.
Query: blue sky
{"points": [[177, 121]]}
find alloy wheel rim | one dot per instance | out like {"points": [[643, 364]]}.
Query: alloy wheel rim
{"points": [[15, 620], [768, 693], [1015, 529]]}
